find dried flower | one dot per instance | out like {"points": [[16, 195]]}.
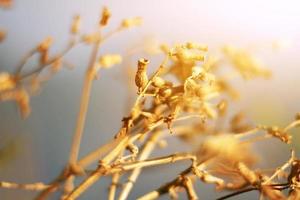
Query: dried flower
{"points": [[76, 24], [109, 60], [158, 82], [131, 22], [7, 81], [185, 86], [105, 16], [278, 133], [245, 64], [191, 45]]}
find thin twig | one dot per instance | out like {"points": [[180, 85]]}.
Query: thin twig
{"points": [[282, 168], [113, 186], [188, 185], [146, 151], [125, 167], [31, 186], [236, 193]]}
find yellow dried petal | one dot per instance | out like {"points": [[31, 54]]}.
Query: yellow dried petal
{"points": [[109, 60], [158, 82], [131, 22], [76, 24], [247, 65], [184, 55], [7, 81], [191, 45]]}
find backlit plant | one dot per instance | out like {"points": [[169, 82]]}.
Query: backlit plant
{"points": [[188, 97]]}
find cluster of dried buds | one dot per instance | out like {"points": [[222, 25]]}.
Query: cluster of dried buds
{"points": [[188, 96]]}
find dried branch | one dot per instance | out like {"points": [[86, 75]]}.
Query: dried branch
{"points": [[188, 185], [145, 153], [113, 186], [32, 186]]}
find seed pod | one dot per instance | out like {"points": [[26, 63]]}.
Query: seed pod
{"points": [[105, 17], [141, 78], [76, 24]]}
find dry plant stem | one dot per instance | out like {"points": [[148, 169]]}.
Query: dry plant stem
{"points": [[113, 186], [53, 186], [236, 193], [98, 153], [247, 133], [255, 130], [49, 62], [291, 125], [103, 170], [146, 151], [115, 146], [24, 61], [85, 184], [188, 185], [90, 158], [31, 186], [282, 168], [156, 161], [89, 77], [166, 187], [121, 141], [98, 173]]}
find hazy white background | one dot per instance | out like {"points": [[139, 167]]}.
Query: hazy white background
{"points": [[45, 135]]}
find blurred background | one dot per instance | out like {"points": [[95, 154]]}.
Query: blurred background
{"points": [[39, 145]]}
